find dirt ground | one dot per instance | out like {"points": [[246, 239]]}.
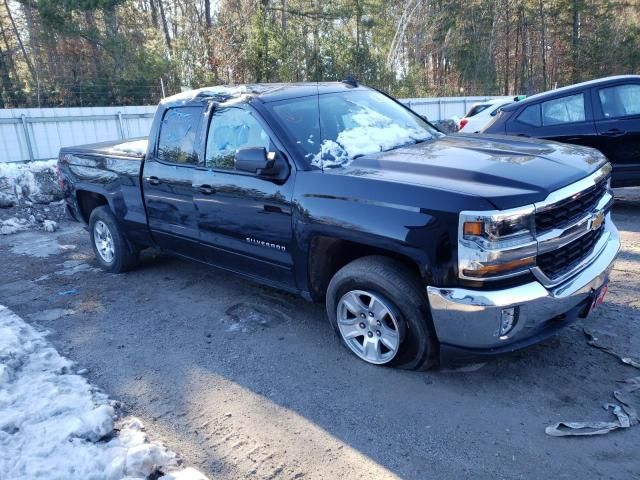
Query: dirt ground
{"points": [[247, 382]]}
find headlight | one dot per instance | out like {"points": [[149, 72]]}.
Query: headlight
{"points": [[494, 245]]}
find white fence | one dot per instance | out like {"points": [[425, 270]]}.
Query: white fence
{"points": [[443, 108], [38, 133]]}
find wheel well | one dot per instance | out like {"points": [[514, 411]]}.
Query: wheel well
{"points": [[88, 201], [327, 255]]}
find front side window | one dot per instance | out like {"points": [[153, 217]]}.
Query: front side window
{"points": [[531, 116], [176, 143], [620, 101], [231, 129], [332, 129], [568, 109]]}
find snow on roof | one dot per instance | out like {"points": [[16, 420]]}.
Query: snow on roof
{"points": [[223, 91]]}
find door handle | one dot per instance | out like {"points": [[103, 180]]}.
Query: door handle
{"points": [[614, 132], [523, 135], [153, 180], [205, 189]]}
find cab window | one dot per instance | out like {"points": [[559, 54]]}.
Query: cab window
{"points": [[229, 130], [531, 116], [176, 142], [620, 101], [569, 109]]}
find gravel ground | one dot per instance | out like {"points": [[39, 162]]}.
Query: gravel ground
{"points": [[247, 382]]}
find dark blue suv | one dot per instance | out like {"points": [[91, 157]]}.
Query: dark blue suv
{"points": [[604, 114]]}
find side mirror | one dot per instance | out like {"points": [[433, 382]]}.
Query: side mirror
{"points": [[256, 160]]}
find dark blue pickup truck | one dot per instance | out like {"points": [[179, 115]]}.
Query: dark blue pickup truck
{"points": [[422, 245]]}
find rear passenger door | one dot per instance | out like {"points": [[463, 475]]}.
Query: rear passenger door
{"points": [[167, 182], [567, 118], [618, 124]]}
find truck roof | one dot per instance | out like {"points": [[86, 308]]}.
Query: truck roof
{"points": [[265, 92]]}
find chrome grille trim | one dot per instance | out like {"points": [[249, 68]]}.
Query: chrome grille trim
{"points": [[556, 238], [573, 189]]}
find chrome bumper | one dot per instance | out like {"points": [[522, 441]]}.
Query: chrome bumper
{"points": [[471, 318]]}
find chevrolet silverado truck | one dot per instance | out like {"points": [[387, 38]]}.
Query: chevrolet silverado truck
{"points": [[423, 246]]}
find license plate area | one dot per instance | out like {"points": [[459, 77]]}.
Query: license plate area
{"points": [[598, 297]]}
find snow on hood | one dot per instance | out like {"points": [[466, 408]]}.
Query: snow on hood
{"points": [[55, 425], [370, 132]]}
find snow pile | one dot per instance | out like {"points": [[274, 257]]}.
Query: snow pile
{"points": [[14, 225], [54, 425], [30, 197], [371, 132], [27, 180]]}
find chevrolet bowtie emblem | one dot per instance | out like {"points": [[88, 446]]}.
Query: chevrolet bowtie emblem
{"points": [[597, 220]]}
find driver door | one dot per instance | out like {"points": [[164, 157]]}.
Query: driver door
{"points": [[244, 220]]}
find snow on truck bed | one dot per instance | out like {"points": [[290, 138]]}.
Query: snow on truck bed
{"points": [[55, 425]]}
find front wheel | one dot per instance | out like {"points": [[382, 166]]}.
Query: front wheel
{"points": [[109, 244], [378, 309]]}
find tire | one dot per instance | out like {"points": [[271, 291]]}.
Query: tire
{"points": [[110, 246], [394, 300]]}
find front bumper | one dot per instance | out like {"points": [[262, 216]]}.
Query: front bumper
{"points": [[468, 321]]}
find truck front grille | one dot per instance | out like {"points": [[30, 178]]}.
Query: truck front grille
{"points": [[556, 263], [567, 211]]}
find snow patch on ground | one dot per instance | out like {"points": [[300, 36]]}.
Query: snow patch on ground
{"points": [[49, 226], [371, 132], [55, 425], [71, 267], [37, 245], [51, 314], [13, 225]]}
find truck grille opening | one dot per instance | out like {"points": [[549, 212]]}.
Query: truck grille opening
{"points": [[556, 263], [570, 209]]}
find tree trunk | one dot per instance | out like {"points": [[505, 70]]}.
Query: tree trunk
{"points": [[165, 27], [543, 42], [207, 13], [19, 39]]}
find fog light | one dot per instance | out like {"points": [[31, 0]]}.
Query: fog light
{"points": [[508, 319]]}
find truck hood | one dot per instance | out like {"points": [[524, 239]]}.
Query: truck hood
{"points": [[506, 171]]}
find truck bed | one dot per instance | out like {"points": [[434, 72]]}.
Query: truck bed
{"points": [[132, 147], [107, 173]]}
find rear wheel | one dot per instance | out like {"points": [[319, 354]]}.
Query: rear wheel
{"points": [[377, 307], [109, 244]]}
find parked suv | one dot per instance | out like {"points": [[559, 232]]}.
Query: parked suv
{"points": [[604, 114]]}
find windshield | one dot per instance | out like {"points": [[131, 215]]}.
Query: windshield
{"points": [[353, 124]]}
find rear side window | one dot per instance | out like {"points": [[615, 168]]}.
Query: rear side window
{"points": [[531, 116], [177, 141], [569, 109], [620, 101]]}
